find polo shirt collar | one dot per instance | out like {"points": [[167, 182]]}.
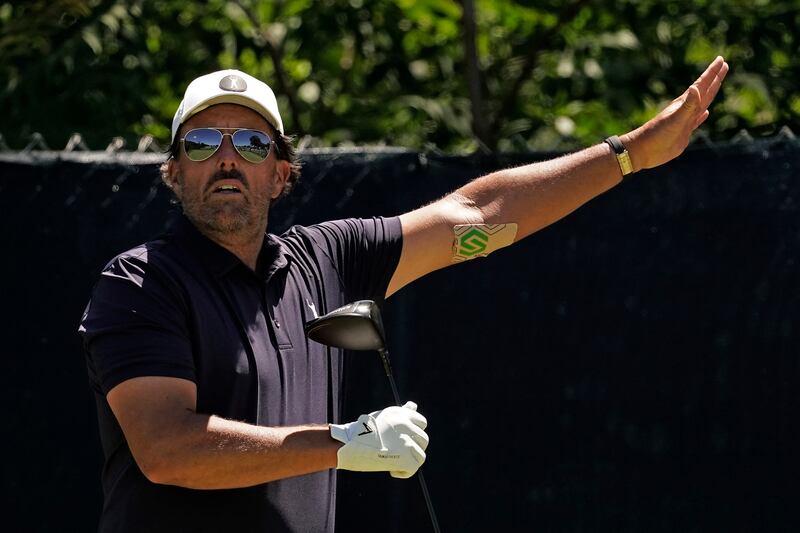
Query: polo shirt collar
{"points": [[274, 257], [219, 261]]}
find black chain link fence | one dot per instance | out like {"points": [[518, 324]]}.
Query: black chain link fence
{"points": [[633, 367]]}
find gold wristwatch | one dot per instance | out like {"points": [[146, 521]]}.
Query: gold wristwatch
{"points": [[623, 158]]}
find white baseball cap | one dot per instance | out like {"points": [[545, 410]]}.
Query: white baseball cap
{"points": [[228, 87]]}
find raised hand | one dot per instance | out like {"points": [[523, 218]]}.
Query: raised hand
{"points": [[666, 136]]}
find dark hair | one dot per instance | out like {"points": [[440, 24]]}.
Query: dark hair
{"points": [[284, 150]]}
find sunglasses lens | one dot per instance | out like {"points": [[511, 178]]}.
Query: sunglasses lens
{"points": [[253, 145], [200, 144]]}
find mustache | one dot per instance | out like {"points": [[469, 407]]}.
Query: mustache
{"points": [[231, 174]]}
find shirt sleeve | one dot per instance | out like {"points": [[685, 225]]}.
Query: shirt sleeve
{"points": [[135, 325], [364, 252]]}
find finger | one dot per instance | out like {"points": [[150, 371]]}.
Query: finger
{"points": [[712, 91], [419, 436], [418, 420], [410, 405], [414, 416], [702, 118], [692, 101], [416, 452], [418, 456], [711, 69], [707, 77]]}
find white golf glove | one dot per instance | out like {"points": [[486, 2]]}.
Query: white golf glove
{"points": [[391, 440]]}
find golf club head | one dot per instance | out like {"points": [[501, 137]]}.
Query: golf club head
{"points": [[356, 326]]}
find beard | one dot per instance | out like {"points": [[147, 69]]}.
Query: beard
{"points": [[247, 213]]}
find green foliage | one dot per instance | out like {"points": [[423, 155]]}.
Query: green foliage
{"points": [[553, 74]]}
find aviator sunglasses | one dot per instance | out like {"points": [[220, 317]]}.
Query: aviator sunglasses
{"points": [[201, 143]]}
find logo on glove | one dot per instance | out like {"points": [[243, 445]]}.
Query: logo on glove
{"points": [[368, 429]]}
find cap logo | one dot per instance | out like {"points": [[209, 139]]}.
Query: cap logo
{"points": [[233, 83]]}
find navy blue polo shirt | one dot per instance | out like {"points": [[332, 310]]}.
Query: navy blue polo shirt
{"points": [[182, 306]]}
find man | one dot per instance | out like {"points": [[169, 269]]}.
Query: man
{"points": [[215, 411]]}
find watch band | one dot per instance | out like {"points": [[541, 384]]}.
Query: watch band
{"points": [[623, 158]]}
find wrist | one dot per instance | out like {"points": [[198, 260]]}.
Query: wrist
{"points": [[631, 142], [338, 433]]}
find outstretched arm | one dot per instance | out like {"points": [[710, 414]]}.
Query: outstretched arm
{"points": [[536, 195]]}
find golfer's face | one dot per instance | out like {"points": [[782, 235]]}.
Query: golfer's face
{"points": [[226, 193]]}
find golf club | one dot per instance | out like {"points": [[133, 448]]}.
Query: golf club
{"points": [[358, 326]]}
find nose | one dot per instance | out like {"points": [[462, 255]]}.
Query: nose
{"points": [[227, 155]]}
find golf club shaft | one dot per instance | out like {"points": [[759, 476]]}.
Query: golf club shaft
{"points": [[428, 501], [388, 368]]}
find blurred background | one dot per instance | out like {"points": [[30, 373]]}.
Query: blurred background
{"points": [[446, 75], [631, 368]]}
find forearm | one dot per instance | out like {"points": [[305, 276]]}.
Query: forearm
{"points": [[531, 196], [536, 195], [208, 452]]}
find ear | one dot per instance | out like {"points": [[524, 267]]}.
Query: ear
{"points": [[279, 177], [171, 177]]}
